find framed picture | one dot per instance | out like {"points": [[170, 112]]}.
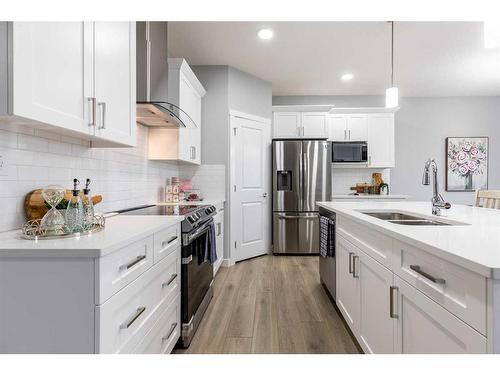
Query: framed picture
{"points": [[466, 163]]}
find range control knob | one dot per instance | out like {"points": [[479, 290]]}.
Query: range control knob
{"points": [[191, 219]]}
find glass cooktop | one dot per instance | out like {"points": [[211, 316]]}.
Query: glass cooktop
{"points": [[160, 210]]}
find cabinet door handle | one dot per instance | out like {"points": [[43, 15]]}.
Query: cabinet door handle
{"points": [[194, 152], [418, 270], [219, 229], [133, 318], [354, 274], [350, 263], [170, 281], [92, 104], [102, 114], [392, 314], [165, 243], [345, 134], [133, 262], [369, 160], [172, 329], [349, 134]]}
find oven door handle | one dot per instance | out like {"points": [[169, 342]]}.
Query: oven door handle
{"points": [[188, 238]]}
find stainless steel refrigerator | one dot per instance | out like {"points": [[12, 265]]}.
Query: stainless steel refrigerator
{"points": [[301, 177]]}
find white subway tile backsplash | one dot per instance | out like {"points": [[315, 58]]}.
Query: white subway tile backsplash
{"points": [[209, 178], [124, 177]]}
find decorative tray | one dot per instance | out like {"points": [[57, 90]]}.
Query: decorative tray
{"points": [[33, 230]]}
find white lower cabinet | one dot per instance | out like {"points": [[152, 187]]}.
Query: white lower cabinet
{"points": [[388, 315], [376, 325], [425, 327], [347, 286]]}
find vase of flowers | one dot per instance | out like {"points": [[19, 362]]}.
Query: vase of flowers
{"points": [[467, 159]]}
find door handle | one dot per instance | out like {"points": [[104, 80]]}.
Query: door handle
{"points": [[102, 114], [345, 134], [392, 314], [418, 270], [289, 217], [92, 104], [356, 276], [349, 134], [350, 263]]}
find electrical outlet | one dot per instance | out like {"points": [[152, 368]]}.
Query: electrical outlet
{"points": [[3, 166]]}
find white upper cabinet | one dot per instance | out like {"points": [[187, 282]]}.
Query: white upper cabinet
{"points": [[114, 82], [186, 92], [286, 124], [299, 125], [53, 73], [381, 140], [347, 127], [313, 124], [62, 70]]}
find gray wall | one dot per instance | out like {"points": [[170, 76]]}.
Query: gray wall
{"points": [[422, 125], [338, 101], [249, 94], [214, 113]]}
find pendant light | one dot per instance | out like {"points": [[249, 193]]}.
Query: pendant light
{"points": [[391, 94]]}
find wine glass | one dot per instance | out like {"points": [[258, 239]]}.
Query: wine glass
{"points": [[53, 222]]}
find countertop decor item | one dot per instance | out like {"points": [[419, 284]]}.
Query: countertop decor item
{"points": [[466, 163], [74, 211], [33, 230], [53, 221], [35, 206]]}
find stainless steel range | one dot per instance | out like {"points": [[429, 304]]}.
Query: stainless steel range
{"points": [[196, 270]]}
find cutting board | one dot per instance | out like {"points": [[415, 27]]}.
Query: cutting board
{"points": [[34, 204]]}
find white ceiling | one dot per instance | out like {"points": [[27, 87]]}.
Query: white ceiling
{"points": [[308, 58]]}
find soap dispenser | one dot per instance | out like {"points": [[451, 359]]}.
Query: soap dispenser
{"points": [[88, 207], [74, 211]]}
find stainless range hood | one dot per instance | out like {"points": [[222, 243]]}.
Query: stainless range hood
{"points": [[153, 107]]}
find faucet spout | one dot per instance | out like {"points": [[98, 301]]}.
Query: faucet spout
{"points": [[437, 200]]}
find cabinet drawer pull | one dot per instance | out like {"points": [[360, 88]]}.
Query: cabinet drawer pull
{"points": [[167, 283], [133, 262], [165, 243], [418, 270], [392, 314], [172, 329], [354, 274], [133, 318], [350, 262]]}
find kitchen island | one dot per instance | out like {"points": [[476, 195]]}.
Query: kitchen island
{"points": [[418, 288]]}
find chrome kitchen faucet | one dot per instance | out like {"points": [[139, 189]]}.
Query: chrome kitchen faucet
{"points": [[437, 199]]}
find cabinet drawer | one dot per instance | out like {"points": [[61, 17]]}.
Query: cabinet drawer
{"points": [[166, 241], [164, 334], [118, 269], [460, 291], [124, 319], [373, 243]]}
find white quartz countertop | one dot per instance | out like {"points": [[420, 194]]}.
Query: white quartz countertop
{"points": [[475, 246], [369, 196], [119, 231]]}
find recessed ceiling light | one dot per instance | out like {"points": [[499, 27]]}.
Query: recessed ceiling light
{"points": [[347, 77], [265, 34]]}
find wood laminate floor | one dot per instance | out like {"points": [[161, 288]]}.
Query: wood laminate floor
{"points": [[271, 304]]}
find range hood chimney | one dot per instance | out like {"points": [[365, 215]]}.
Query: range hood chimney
{"points": [[153, 107]]}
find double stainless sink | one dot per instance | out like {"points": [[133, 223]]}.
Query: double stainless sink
{"points": [[405, 219]]}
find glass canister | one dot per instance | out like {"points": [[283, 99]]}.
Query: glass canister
{"points": [[88, 208]]}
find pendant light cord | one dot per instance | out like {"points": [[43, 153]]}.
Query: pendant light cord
{"points": [[392, 53]]}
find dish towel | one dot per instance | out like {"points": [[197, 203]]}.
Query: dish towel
{"points": [[211, 244], [326, 237]]}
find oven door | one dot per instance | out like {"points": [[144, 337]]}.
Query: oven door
{"points": [[349, 152], [196, 275]]}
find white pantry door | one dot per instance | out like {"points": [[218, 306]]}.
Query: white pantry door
{"points": [[250, 185]]}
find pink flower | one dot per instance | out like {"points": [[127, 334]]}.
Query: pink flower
{"points": [[467, 146], [472, 165], [462, 157], [474, 151], [453, 166], [463, 169]]}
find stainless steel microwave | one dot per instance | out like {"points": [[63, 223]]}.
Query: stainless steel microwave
{"points": [[349, 152]]}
